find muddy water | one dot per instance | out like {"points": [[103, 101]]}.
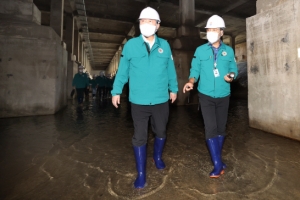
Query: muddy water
{"points": [[87, 154]]}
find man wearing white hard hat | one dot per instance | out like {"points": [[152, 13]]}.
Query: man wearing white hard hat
{"points": [[215, 67], [147, 63]]}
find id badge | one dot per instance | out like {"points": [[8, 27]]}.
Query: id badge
{"points": [[216, 73]]}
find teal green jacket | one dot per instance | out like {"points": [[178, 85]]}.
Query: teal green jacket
{"points": [[151, 75], [93, 83], [80, 80], [106, 81], [100, 81], [203, 66]]}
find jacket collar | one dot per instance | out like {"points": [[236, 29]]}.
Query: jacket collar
{"points": [[222, 45], [156, 43]]}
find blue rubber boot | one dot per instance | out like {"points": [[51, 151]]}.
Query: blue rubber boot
{"points": [[221, 139], [214, 149], [140, 159], [157, 152]]}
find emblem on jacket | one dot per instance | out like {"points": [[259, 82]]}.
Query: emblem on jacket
{"points": [[160, 50], [224, 53]]}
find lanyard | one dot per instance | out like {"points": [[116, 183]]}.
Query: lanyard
{"points": [[215, 52]]}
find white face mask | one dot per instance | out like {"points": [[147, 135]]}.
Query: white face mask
{"points": [[147, 30], [212, 36]]}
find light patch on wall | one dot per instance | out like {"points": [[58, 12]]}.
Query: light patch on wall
{"points": [[298, 52]]}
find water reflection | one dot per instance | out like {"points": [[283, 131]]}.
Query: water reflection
{"points": [[87, 154]]}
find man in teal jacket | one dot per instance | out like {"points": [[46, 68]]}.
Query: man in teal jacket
{"points": [[109, 85], [80, 83], [101, 85], [215, 67], [93, 85], [148, 64]]}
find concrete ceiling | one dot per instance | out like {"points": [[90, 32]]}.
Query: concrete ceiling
{"points": [[112, 22]]}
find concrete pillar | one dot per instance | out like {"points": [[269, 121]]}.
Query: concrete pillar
{"points": [[69, 40], [187, 11], [21, 10], [117, 62], [76, 45], [183, 48], [33, 63], [69, 34], [57, 16], [79, 48], [114, 64], [83, 54], [273, 44], [232, 41]]}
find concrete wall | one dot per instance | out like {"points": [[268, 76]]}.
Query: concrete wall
{"points": [[33, 68], [182, 61], [22, 9], [264, 5], [273, 46], [241, 52]]}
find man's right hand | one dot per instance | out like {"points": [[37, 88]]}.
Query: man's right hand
{"points": [[188, 86], [116, 100]]}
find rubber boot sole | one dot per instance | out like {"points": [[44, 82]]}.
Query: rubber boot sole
{"points": [[217, 176]]}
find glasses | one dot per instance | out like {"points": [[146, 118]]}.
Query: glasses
{"points": [[148, 21], [213, 29]]}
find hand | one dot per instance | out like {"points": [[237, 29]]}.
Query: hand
{"points": [[227, 79], [173, 97], [188, 86], [115, 100]]}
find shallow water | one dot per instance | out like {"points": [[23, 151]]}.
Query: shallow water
{"points": [[87, 154]]}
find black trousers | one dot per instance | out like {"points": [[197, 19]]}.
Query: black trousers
{"points": [[158, 114], [101, 89], [80, 94], [215, 113]]}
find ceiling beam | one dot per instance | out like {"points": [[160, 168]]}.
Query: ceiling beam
{"points": [[109, 34], [120, 20], [118, 33], [222, 12]]}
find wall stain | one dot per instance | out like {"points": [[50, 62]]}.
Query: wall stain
{"points": [[287, 67], [254, 69], [285, 39], [252, 47]]}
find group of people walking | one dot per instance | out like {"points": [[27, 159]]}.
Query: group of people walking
{"points": [[99, 85], [147, 64]]}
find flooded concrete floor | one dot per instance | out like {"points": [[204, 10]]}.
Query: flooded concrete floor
{"points": [[88, 155]]}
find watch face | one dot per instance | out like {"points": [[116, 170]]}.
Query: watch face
{"points": [[231, 75]]}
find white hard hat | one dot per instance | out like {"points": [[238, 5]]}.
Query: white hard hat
{"points": [[81, 67], [215, 21], [149, 13]]}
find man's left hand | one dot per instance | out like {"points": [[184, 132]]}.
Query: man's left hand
{"points": [[173, 97], [227, 79]]}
